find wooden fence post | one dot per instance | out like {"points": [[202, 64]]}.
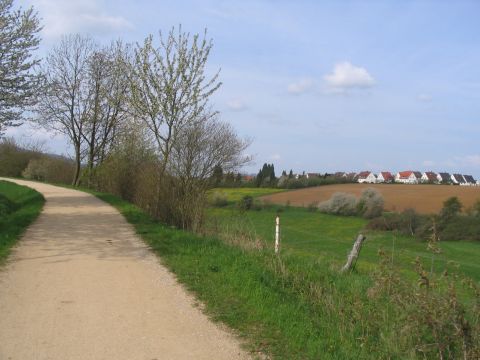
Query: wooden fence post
{"points": [[353, 256], [277, 234]]}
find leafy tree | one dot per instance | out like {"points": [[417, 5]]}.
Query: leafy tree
{"points": [[266, 176], [451, 207], [169, 87], [19, 83], [290, 174], [284, 173]]}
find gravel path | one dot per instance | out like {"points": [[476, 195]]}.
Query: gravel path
{"points": [[82, 285]]}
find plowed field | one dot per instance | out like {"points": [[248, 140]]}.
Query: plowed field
{"points": [[423, 198]]}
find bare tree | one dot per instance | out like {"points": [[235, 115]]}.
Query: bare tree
{"points": [[65, 104], [18, 82], [108, 86], [200, 148], [169, 87]]}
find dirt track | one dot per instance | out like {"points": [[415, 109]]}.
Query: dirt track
{"points": [[81, 285], [424, 198]]}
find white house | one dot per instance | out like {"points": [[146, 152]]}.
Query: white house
{"points": [[429, 177], [458, 179], [469, 180], [385, 177], [408, 177], [443, 178], [366, 177]]}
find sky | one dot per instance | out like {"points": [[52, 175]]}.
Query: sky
{"points": [[318, 86]]}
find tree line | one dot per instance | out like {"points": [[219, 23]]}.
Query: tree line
{"points": [[138, 116]]}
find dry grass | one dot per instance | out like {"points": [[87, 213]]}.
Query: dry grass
{"points": [[423, 198]]}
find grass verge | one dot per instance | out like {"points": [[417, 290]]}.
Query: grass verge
{"points": [[289, 307], [19, 207]]}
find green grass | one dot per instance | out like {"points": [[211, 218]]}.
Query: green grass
{"points": [[323, 236], [298, 305], [19, 207], [236, 194]]}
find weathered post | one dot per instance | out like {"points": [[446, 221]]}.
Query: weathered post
{"points": [[352, 257], [277, 234]]}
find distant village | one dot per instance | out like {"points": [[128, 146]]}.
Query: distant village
{"points": [[405, 177]]}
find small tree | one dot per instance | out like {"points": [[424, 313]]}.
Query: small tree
{"points": [[65, 104], [19, 84], [169, 91], [451, 207]]}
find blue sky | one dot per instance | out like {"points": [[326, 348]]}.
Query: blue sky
{"points": [[320, 85]]}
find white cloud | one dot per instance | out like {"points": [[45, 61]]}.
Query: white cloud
{"points": [[63, 17], [346, 76], [428, 163], [275, 157], [300, 86], [236, 104], [424, 97]]}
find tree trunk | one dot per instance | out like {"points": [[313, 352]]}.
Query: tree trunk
{"points": [[76, 176], [352, 257]]}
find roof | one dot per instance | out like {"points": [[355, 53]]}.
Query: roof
{"points": [[444, 176], [431, 176], [469, 179], [387, 175], [459, 178], [313, 175], [405, 174], [340, 174], [364, 174], [417, 174]]}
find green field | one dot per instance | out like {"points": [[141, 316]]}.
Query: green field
{"points": [[330, 238], [19, 207], [235, 194]]}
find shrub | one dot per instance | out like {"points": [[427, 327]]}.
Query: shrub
{"points": [[14, 157], [340, 204], [51, 169], [246, 203], [219, 199], [370, 204], [451, 207], [461, 228], [408, 222]]}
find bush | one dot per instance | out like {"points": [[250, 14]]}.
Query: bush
{"points": [[14, 158], [54, 169], [219, 199], [408, 222], [461, 228], [451, 207], [246, 203], [370, 204], [340, 204]]}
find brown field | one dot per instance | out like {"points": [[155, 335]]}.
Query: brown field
{"points": [[423, 198]]}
